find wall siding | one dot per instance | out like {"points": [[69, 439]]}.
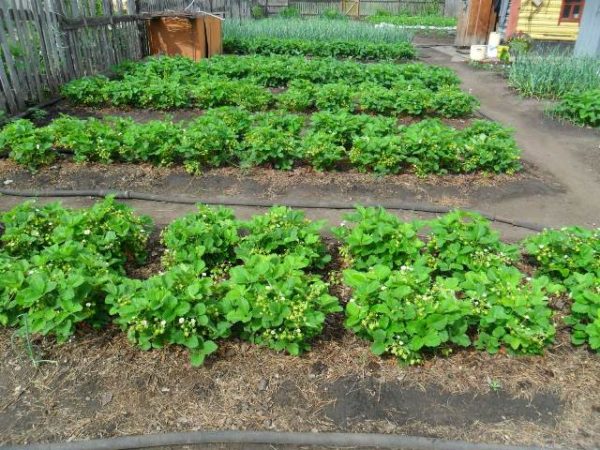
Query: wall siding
{"points": [[542, 22]]}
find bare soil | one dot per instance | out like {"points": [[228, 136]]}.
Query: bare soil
{"points": [[98, 385]]}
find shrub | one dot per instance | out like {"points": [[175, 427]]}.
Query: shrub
{"points": [[379, 154], [264, 144], [462, 241], [581, 108], [173, 308], [54, 290], [205, 238], [322, 151], [452, 102], [510, 314], [276, 304], [378, 238], [405, 315], [108, 228], [300, 96], [585, 309], [27, 145], [560, 254], [284, 231], [334, 97]]}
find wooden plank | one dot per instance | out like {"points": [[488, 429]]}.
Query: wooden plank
{"points": [[13, 82]]}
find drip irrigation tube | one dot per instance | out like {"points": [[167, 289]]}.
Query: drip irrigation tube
{"points": [[271, 438], [304, 204]]}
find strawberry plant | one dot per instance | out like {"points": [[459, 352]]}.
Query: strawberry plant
{"points": [[108, 228], [284, 231], [334, 96], [299, 96], [404, 314], [450, 101], [379, 154], [489, 146], [173, 308], [585, 310], [378, 238], [510, 314], [206, 238], [26, 144], [461, 241], [276, 304], [54, 290], [322, 151], [563, 253], [264, 144], [580, 107]]}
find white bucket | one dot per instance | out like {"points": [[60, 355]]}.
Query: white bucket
{"points": [[478, 52], [493, 43]]}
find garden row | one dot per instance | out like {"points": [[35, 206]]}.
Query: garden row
{"points": [[558, 75], [232, 136], [354, 49], [259, 280], [314, 30], [168, 73], [402, 99]]}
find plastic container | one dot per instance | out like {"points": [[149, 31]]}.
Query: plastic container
{"points": [[493, 43], [478, 52]]}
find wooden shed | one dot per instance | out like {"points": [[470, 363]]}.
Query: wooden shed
{"points": [[552, 20], [196, 36]]}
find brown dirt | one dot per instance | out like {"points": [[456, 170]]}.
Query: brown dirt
{"points": [[99, 385]]}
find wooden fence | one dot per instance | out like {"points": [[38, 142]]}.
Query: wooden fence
{"points": [[45, 43]]}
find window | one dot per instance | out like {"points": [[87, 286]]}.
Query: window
{"points": [[571, 10]]}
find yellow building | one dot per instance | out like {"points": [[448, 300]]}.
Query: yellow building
{"points": [[554, 20]]}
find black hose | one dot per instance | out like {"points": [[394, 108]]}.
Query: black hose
{"points": [[271, 438], [131, 195]]}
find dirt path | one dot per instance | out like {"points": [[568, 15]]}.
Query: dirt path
{"points": [[568, 155]]}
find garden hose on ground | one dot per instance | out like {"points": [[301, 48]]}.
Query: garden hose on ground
{"points": [[304, 204], [270, 438]]}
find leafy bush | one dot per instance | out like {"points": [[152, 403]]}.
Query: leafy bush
{"points": [[284, 231], [585, 310], [452, 102], [334, 97], [264, 144], [581, 108], [405, 315], [510, 314], [54, 290], [300, 96], [379, 154], [108, 228], [491, 147], [205, 238], [276, 304], [378, 238], [462, 241], [338, 49], [26, 144], [560, 254], [322, 151], [173, 308]]}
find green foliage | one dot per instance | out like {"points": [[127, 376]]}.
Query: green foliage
{"points": [[284, 231], [403, 313], [416, 20], [266, 145], [379, 154], [108, 228], [289, 12], [585, 310], [300, 96], [581, 108], [378, 238], [560, 254], [173, 308], [205, 238], [334, 97], [510, 314], [322, 151], [460, 242], [338, 49], [276, 304], [321, 29], [26, 144], [54, 290], [553, 74], [452, 102]]}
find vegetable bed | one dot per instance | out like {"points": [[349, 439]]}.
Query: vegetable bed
{"points": [[418, 288], [230, 136]]}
